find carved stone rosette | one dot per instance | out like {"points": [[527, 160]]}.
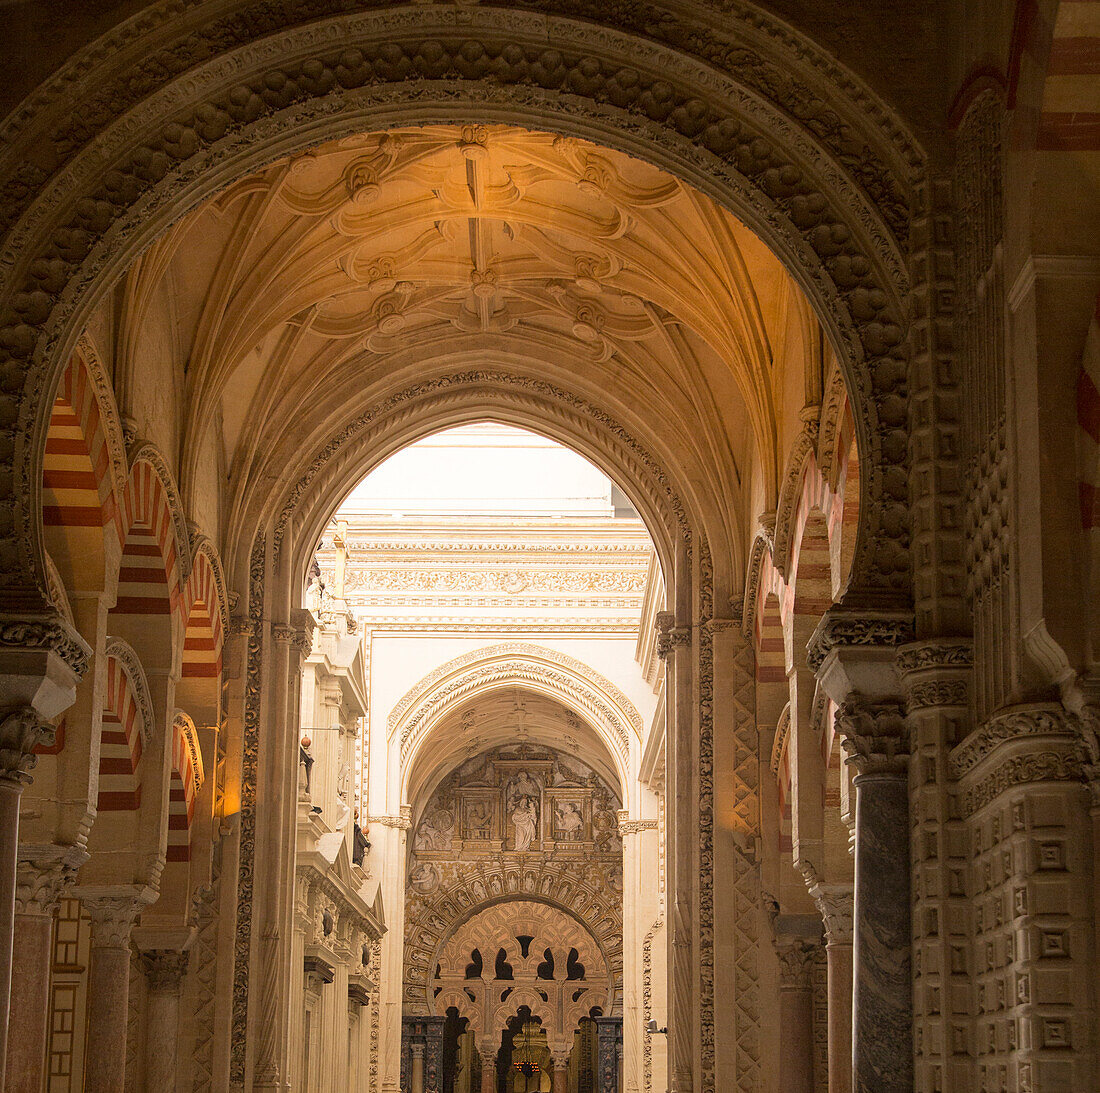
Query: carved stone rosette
{"points": [[874, 734]]}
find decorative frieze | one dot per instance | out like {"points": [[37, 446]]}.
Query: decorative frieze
{"points": [[54, 635]]}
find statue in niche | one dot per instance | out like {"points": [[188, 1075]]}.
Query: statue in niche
{"points": [[479, 821], [435, 831], [568, 821], [522, 787], [525, 819]]}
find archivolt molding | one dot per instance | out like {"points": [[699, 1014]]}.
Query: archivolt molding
{"points": [[204, 546], [186, 728], [139, 685], [490, 388], [739, 143], [108, 411], [144, 452], [512, 649], [612, 725], [56, 588]]}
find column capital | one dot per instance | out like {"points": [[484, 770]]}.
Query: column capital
{"points": [[669, 634], [417, 1050], [836, 902], [796, 961], [113, 914], [559, 1054], [21, 731], [164, 969], [874, 734], [43, 875], [935, 673]]}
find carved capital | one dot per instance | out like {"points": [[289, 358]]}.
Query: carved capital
{"points": [[874, 734], [836, 902], [164, 969], [935, 674], [43, 875], [839, 628], [21, 731], [112, 919], [240, 626], [669, 634], [796, 962], [49, 633]]}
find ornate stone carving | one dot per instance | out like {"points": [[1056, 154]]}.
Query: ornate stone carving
{"points": [[53, 634], [796, 964], [1040, 766], [939, 653], [1036, 720], [615, 723], [632, 827], [402, 823], [874, 734], [112, 919], [836, 904], [242, 945], [21, 731], [867, 628], [937, 693], [43, 875], [164, 969], [139, 685]]}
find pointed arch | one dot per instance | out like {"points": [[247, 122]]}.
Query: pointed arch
{"points": [[206, 615]]}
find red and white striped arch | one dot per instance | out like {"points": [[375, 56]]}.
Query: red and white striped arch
{"points": [[148, 579], [183, 789], [78, 486], [205, 608], [123, 716]]}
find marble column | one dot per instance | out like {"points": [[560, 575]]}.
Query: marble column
{"points": [[41, 881], [834, 901], [796, 1016], [164, 970], [108, 990], [488, 1067], [873, 733], [417, 1077]]}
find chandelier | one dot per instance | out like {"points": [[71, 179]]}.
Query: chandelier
{"points": [[524, 1052]]}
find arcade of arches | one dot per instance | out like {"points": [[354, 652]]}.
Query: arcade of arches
{"points": [[733, 724]]}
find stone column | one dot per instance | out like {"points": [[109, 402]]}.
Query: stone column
{"points": [[108, 990], [796, 1015], [21, 731], [164, 970], [559, 1055], [417, 1077], [488, 1054], [41, 661], [834, 901], [873, 733], [608, 1039], [41, 881]]}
